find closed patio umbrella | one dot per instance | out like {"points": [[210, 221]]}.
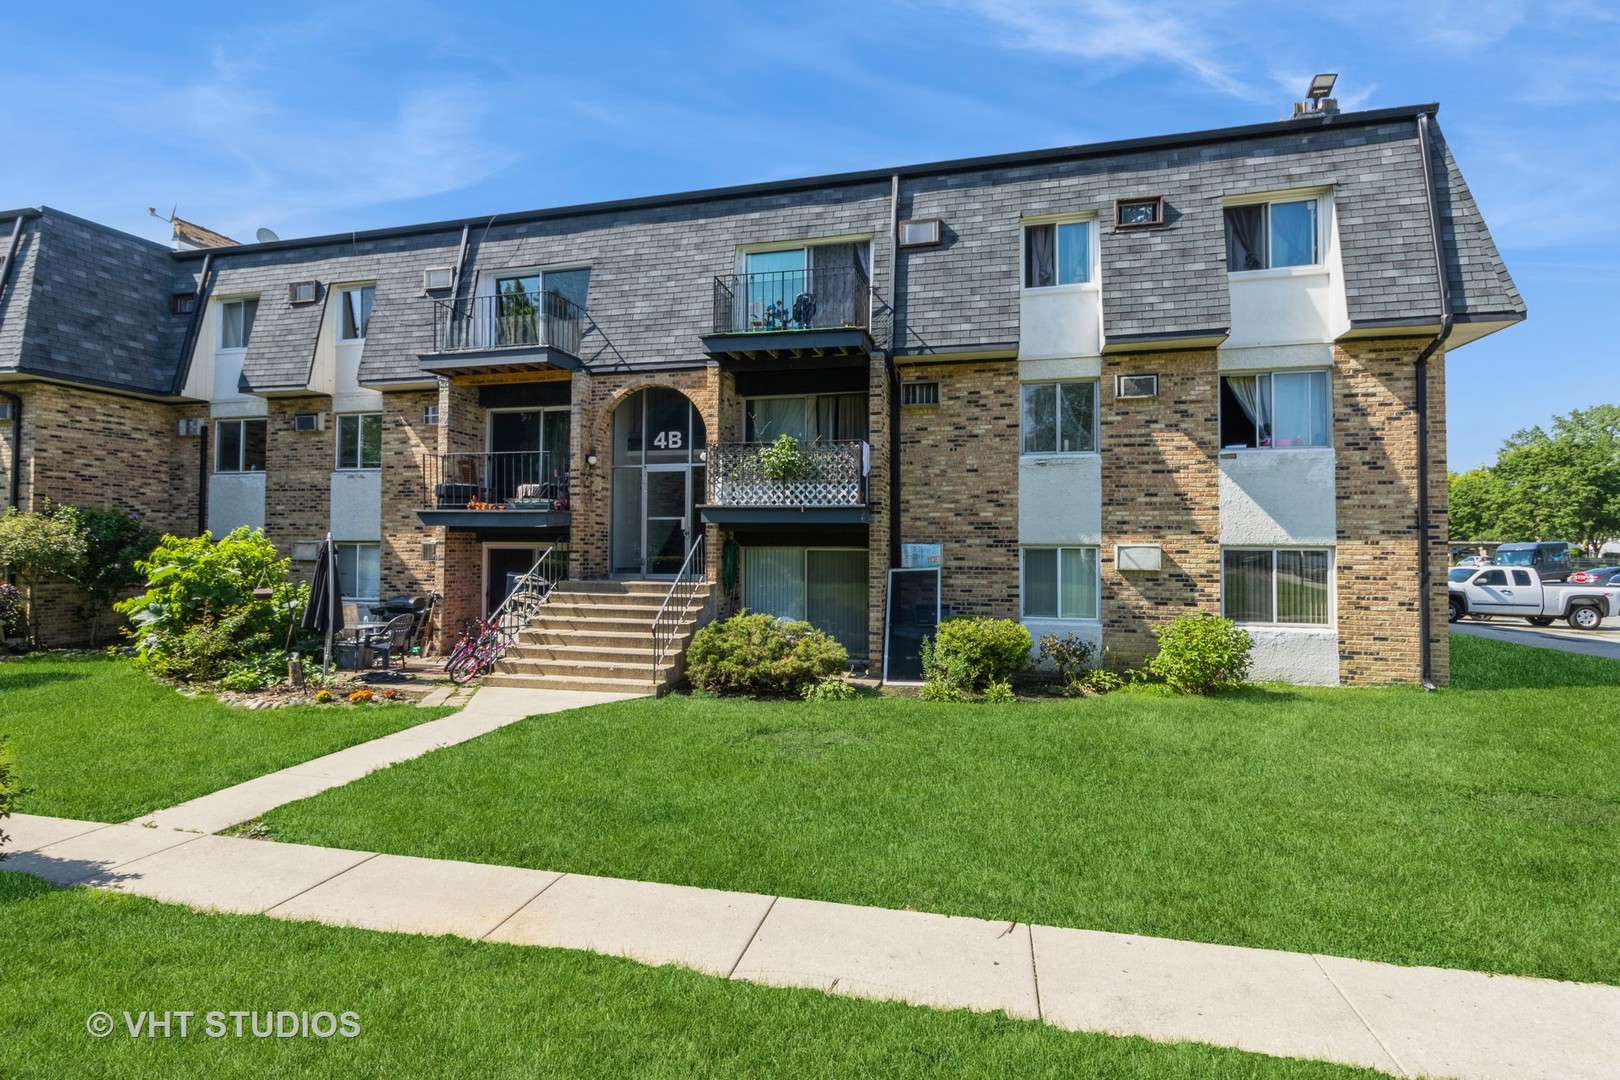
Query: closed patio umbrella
{"points": [[324, 612]]}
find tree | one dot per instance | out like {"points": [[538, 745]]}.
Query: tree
{"points": [[38, 545], [114, 541]]}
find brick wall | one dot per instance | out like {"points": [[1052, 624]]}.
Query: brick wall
{"points": [[1375, 433], [1160, 485], [408, 449], [879, 425], [82, 447], [297, 476], [959, 482]]}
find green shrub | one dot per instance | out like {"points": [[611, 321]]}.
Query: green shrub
{"points": [[1069, 654], [199, 619], [115, 541], [831, 688], [11, 610], [8, 787], [971, 653], [257, 672], [1099, 681], [754, 653], [36, 546], [1200, 653], [1000, 693], [943, 691]]}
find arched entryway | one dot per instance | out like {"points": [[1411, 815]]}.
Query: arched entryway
{"points": [[658, 453]]}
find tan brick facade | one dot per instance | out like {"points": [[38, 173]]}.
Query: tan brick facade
{"points": [[297, 475], [1375, 434], [409, 447], [959, 482], [1160, 485]]}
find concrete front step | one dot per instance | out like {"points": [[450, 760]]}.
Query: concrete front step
{"points": [[659, 589], [643, 685], [567, 653]]}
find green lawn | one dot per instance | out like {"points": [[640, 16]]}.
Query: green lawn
{"points": [[447, 1007], [97, 739], [1477, 827]]}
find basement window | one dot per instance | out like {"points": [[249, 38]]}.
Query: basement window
{"points": [[919, 393]]}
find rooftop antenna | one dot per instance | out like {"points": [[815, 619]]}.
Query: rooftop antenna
{"points": [[1316, 97]]}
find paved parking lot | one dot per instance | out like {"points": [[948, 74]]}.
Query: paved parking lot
{"points": [[1604, 641]]}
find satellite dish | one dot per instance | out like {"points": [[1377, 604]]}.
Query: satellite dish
{"points": [[266, 236]]}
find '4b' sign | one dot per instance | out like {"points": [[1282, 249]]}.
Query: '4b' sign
{"points": [[668, 440]]}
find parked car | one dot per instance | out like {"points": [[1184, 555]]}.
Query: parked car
{"points": [[1550, 559], [1474, 561], [1602, 575], [1504, 590]]}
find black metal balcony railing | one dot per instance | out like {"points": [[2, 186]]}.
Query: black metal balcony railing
{"points": [[828, 474], [518, 480], [509, 321], [826, 298]]}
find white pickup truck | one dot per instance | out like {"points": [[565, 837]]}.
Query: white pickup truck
{"points": [[1512, 590]]}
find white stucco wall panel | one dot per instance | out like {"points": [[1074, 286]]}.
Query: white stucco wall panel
{"points": [[1060, 499], [1086, 630], [357, 505], [1278, 497], [1064, 321], [1294, 655], [234, 500]]}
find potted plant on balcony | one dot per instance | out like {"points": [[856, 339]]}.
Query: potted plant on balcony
{"points": [[783, 459]]}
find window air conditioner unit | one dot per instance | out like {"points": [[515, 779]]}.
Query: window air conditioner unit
{"points": [[303, 292], [1136, 386], [438, 279], [309, 421], [191, 426]]}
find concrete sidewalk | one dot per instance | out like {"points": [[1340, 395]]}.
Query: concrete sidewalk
{"points": [[1403, 1021], [490, 708]]}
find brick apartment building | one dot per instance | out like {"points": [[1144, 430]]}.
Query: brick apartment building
{"points": [[1112, 383]]}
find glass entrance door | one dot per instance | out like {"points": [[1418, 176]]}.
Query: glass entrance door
{"points": [[658, 441]]}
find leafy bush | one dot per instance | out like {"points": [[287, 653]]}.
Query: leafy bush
{"points": [[11, 610], [753, 653], [1200, 653], [1099, 681], [199, 619], [972, 652], [35, 546], [257, 672], [1069, 654], [936, 690], [831, 688], [1000, 693], [8, 787], [114, 542], [782, 460]]}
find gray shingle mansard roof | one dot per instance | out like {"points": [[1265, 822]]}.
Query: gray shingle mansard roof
{"points": [[653, 259]]}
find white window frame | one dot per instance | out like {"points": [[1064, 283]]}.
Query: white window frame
{"points": [[343, 293], [1332, 581], [241, 445], [353, 548], [1272, 374], [1323, 197], [1094, 263], [1057, 601], [337, 448], [224, 307], [1096, 409]]}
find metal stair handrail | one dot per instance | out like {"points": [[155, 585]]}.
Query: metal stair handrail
{"points": [[520, 607], [681, 591]]}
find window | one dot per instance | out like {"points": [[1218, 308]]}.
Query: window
{"points": [[182, 303], [239, 445], [1060, 583], [921, 232], [236, 322], [919, 393], [356, 312], [1282, 408], [358, 570], [1057, 253], [359, 441], [1138, 213], [1060, 418], [1285, 586], [813, 418], [1261, 236]]}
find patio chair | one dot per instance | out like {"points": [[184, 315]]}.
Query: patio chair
{"points": [[393, 639]]}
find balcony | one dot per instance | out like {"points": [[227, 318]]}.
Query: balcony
{"points": [[516, 331], [825, 485], [522, 489], [812, 318]]}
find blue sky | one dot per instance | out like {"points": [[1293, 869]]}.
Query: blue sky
{"points": [[344, 116]]}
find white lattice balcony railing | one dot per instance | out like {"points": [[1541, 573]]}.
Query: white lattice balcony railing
{"points": [[832, 474]]}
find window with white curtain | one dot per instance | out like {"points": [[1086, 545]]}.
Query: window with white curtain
{"points": [[812, 418], [1061, 583], [236, 322], [1057, 253], [1275, 409], [1288, 586], [1266, 235]]}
